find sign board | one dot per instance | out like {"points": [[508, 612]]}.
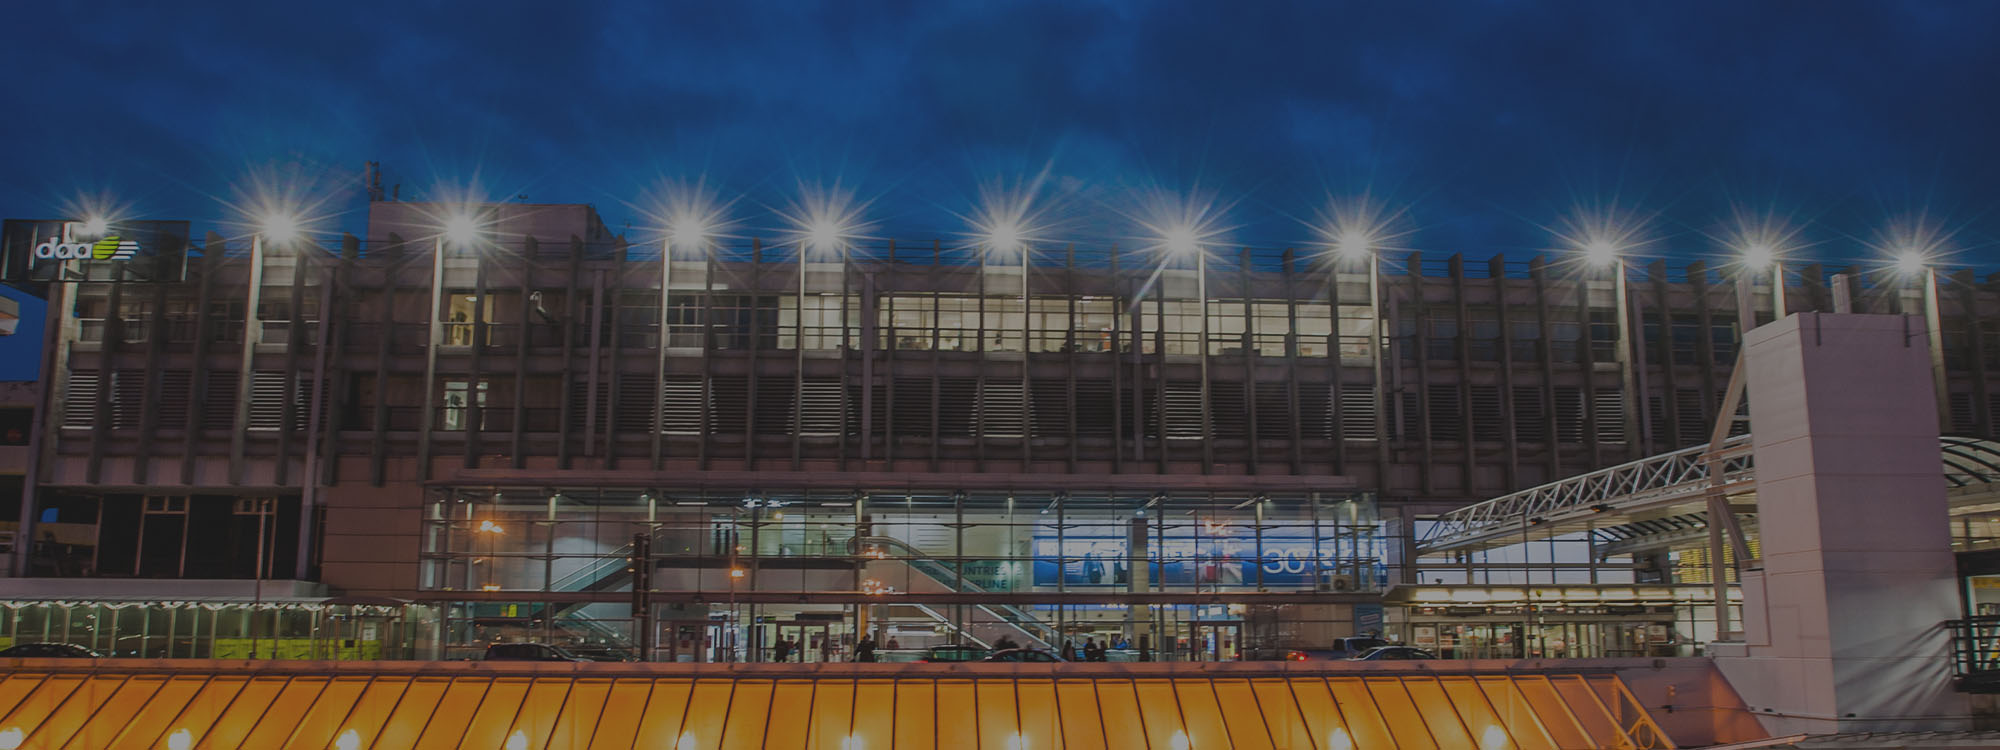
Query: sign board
{"points": [[1367, 619], [58, 250], [1286, 561]]}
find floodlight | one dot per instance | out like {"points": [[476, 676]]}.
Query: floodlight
{"points": [[1911, 261], [1758, 256], [461, 230], [1353, 245], [824, 235], [1004, 236], [689, 233], [1181, 241], [96, 226], [1600, 253], [279, 228]]}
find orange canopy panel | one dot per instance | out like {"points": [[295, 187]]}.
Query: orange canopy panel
{"points": [[188, 705]]}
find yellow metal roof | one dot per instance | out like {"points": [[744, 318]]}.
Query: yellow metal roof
{"points": [[190, 704]]}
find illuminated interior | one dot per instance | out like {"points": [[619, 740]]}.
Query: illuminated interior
{"points": [[471, 706]]}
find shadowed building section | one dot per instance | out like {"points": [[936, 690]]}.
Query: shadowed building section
{"points": [[226, 704]]}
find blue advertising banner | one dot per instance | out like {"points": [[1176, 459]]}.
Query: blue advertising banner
{"points": [[1103, 561]]}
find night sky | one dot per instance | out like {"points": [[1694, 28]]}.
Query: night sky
{"points": [[1483, 125]]}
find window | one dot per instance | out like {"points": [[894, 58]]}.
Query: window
{"points": [[1603, 336], [1484, 334], [1357, 333], [1441, 341], [458, 398], [1526, 332]]}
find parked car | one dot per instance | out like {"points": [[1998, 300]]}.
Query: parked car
{"points": [[1395, 653], [1025, 654], [1350, 647], [1271, 653], [955, 653], [1340, 649], [530, 652], [49, 651]]}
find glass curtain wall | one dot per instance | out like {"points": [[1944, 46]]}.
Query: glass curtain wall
{"points": [[991, 567]]}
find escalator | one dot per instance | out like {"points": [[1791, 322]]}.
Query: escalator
{"points": [[985, 622]]}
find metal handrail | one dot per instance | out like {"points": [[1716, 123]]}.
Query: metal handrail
{"points": [[1019, 618], [590, 573], [1975, 646]]}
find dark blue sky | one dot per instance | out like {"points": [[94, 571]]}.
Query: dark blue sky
{"points": [[1489, 121]]}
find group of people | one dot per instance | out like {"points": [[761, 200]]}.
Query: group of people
{"points": [[1092, 650]]}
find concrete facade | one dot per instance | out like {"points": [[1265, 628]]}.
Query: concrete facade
{"points": [[1841, 626]]}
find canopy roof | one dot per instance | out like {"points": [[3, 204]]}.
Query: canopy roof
{"points": [[53, 703]]}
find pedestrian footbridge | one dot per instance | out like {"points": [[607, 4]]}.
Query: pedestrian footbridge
{"points": [[1668, 493], [186, 704]]}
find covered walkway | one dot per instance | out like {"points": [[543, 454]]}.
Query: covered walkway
{"points": [[186, 704], [1663, 497]]}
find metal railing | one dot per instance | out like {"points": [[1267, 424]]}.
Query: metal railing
{"points": [[1681, 474], [943, 573], [1975, 653]]}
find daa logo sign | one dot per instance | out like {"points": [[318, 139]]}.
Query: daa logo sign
{"points": [[68, 247], [63, 250]]}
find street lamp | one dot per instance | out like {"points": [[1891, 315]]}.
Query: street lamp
{"points": [[1353, 246], [1755, 257], [826, 226], [1605, 249], [462, 230], [1758, 256], [1601, 253], [95, 226], [1005, 236], [1913, 261], [281, 227]]}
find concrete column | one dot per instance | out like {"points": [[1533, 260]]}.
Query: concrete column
{"points": [[1138, 579], [1842, 623]]}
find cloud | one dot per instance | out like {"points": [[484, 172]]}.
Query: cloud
{"points": [[1494, 117]]}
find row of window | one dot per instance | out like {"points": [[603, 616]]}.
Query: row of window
{"points": [[951, 407]]}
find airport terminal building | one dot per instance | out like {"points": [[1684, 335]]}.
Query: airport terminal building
{"points": [[547, 432]]}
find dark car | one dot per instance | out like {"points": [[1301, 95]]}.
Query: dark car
{"points": [[955, 653], [1025, 654], [1395, 653], [1352, 646], [49, 651], [529, 652]]}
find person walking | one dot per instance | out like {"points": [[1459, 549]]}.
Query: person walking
{"points": [[1091, 651], [782, 650], [865, 650], [1069, 650]]}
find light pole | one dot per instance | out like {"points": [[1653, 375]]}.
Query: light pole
{"points": [[1605, 254], [1181, 242], [690, 232], [462, 231], [1915, 262]]}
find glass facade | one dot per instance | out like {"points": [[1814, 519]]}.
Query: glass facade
{"points": [[1037, 569]]}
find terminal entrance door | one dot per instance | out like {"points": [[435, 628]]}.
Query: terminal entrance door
{"points": [[685, 640], [1215, 641], [809, 640]]}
